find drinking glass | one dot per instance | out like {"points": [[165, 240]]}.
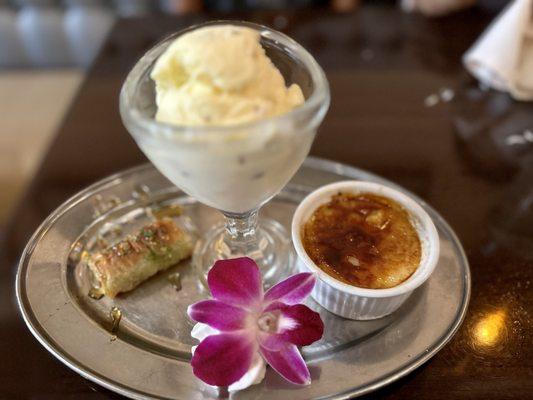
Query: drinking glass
{"points": [[237, 168]]}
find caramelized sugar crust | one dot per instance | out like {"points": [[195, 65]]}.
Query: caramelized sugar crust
{"points": [[364, 240]]}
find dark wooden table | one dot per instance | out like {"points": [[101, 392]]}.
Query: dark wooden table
{"points": [[390, 76]]}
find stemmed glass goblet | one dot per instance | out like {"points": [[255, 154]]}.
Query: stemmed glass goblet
{"points": [[235, 169]]}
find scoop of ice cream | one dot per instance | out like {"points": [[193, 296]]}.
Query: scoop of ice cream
{"points": [[220, 75]]}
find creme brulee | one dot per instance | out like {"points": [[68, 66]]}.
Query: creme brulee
{"points": [[364, 240]]}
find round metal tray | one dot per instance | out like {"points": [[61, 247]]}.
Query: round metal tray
{"points": [[148, 357]]}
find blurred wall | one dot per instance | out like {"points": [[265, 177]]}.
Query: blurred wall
{"points": [[69, 33]]}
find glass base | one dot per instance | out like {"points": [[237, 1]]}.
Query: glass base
{"points": [[271, 250]]}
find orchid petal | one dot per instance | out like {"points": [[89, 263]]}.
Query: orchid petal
{"points": [[297, 324], [223, 359], [236, 281], [218, 315], [253, 376], [201, 331], [292, 290], [288, 362], [308, 328]]}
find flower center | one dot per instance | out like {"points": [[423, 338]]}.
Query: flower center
{"points": [[268, 322]]}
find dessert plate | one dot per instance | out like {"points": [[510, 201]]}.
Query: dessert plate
{"points": [[147, 354]]}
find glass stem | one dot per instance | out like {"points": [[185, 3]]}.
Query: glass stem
{"points": [[267, 243], [241, 233]]}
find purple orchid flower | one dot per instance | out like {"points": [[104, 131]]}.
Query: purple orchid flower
{"points": [[249, 323]]}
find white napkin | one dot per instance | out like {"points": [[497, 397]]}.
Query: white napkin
{"points": [[502, 58]]}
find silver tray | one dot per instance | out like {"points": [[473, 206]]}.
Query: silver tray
{"points": [[148, 356]]}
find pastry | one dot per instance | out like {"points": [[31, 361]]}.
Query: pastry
{"points": [[123, 266]]}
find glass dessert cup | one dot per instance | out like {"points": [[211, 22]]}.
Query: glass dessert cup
{"points": [[233, 168]]}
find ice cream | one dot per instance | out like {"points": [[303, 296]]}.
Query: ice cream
{"points": [[220, 75]]}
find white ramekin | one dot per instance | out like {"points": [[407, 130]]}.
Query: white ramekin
{"points": [[354, 302]]}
